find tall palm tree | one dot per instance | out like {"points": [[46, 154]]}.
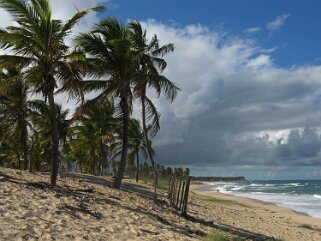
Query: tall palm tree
{"points": [[111, 56], [16, 110], [37, 43], [151, 63]]}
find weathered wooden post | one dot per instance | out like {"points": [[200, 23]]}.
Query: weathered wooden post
{"points": [[178, 192], [182, 195], [184, 210]]}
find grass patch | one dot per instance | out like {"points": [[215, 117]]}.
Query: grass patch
{"points": [[162, 183], [221, 236], [216, 236], [216, 200]]}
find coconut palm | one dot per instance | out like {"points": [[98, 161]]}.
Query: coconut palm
{"points": [[37, 43], [87, 135], [41, 119], [110, 56], [102, 114], [137, 143], [151, 63], [15, 111]]}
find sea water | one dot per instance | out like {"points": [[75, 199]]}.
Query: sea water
{"points": [[299, 195]]}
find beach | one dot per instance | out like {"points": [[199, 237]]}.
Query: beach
{"points": [[85, 207], [257, 216]]}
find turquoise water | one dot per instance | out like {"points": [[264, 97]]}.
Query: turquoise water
{"points": [[300, 195]]}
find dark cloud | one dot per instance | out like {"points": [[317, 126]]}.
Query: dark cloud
{"points": [[236, 108]]}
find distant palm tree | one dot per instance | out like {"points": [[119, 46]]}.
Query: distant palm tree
{"points": [[15, 110], [102, 114], [87, 136], [37, 43], [137, 143], [110, 56], [42, 132], [41, 119], [151, 63]]}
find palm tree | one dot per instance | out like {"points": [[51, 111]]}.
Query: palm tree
{"points": [[137, 143], [102, 114], [87, 136], [111, 56], [41, 118], [150, 65], [37, 43], [15, 110]]}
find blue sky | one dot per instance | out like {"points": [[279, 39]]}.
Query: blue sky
{"points": [[298, 41]]}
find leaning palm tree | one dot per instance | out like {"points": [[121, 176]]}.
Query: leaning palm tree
{"points": [[15, 110], [37, 43], [110, 56], [151, 63]]}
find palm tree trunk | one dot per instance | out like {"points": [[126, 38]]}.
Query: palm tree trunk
{"points": [[149, 149], [54, 138], [102, 157], [93, 161], [123, 159], [19, 161], [25, 148], [137, 167]]}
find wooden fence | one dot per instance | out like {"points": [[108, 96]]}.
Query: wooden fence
{"points": [[178, 190]]}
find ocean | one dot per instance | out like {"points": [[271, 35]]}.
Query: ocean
{"points": [[299, 195]]}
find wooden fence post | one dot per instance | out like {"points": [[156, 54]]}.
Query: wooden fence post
{"points": [[184, 210]]}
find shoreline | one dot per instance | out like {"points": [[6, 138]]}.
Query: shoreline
{"points": [[257, 215], [205, 187]]}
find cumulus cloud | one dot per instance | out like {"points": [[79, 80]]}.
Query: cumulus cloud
{"points": [[278, 22], [236, 106]]}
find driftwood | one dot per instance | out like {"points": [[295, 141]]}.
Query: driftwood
{"points": [[178, 191]]}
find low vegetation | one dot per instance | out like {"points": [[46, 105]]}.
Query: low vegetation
{"points": [[216, 200]]}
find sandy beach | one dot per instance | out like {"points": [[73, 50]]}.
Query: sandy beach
{"points": [[257, 216], [70, 213], [85, 207]]}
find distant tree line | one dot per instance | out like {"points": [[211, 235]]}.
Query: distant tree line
{"points": [[218, 179], [146, 171]]}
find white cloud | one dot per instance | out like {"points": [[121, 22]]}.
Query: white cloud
{"points": [[236, 105], [252, 30], [277, 22]]}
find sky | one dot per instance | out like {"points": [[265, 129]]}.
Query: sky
{"points": [[250, 79]]}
